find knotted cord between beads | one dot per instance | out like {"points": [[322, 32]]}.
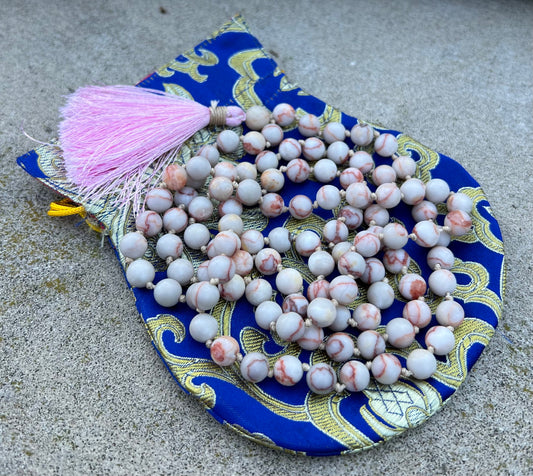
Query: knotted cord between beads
{"points": [[218, 114]]}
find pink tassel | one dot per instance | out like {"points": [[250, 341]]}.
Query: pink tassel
{"points": [[115, 139]]}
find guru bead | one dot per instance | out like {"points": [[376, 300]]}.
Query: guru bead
{"points": [[133, 245]]}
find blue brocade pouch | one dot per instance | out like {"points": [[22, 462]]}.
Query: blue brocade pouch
{"points": [[233, 68]]}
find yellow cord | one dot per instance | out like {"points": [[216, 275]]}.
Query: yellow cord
{"points": [[66, 207]]}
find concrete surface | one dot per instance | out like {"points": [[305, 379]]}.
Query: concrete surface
{"points": [[81, 388]]}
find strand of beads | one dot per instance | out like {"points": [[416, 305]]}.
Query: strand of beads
{"points": [[233, 252]]}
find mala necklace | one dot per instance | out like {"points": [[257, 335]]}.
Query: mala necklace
{"points": [[233, 253]]}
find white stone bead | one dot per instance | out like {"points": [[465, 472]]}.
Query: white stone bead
{"points": [[289, 149], [266, 160], [257, 117], [202, 296], [222, 268], [248, 192], [459, 201], [288, 370], [458, 222], [413, 191], [300, 207], [340, 347], [351, 263], [295, 303], [335, 231], [437, 190], [395, 260], [200, 208], [386, 369], [425, 210], [328, 197], [272, 180], [224, 351], [367, 316], [252, 241], [386, 145], [339, 249], [306, 243], [159, 199], [284, 114], [196, 236], [380, 294], [290, 326], [309, 125], [334, 132], [366, 243], [253, 142], [441, 339], [195, 184], [412, 286], [312, 338], [349, 176], [377, 214], [198, 168], [289, 281], [174, 177], [383, 174], [133, 245], [321, 379], [167, 292], [450, 313], [442, 282], [404, 167], [211, 153], [395, 236], [244, 262], [388, 195], [254, 367], [185, 196], [221, 188], [225, 243], [313, 148], [400, 332], [230, 206], [273, 134], [353, 217], [139, 273], [272, 205], [175, 219], [370, 344], [226, 169], [181, 270], [201, 272], [427, 233], [203, 327], [421, 363], [169, 246], [417, 312], [266, 313], [358, 195], [321, 263], [149, 222], [354, 375], [257, 291], [325, 170], [344, 290], [246, 170], [362, 160], [341, 319], [279, 239], [322, 312], [228, 141], [362, 134], [374, 271], [338, 152], [231, 222], [298, 170], [267, 261], [441, 256], [318, 288]]}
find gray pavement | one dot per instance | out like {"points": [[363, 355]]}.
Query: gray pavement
{"points": [[82, 391]]}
